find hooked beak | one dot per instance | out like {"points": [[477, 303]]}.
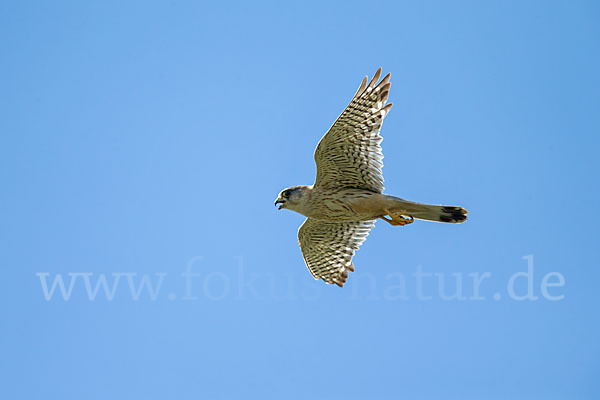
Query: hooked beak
{"points": [[280, 201]]}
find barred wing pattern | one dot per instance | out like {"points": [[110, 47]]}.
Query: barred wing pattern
{"points": [[349, 154], [328, 247]]}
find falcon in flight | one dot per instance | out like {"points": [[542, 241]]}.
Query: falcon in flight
{"points": [[342, 205]]}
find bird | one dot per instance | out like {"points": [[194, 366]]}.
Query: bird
{"points": [[347, 197]]}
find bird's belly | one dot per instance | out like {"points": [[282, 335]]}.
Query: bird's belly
{"points": [[344, 206]]}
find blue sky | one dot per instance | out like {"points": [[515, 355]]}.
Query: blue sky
{"points": [[147, 139]]}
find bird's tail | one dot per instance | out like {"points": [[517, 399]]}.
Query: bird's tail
{"points": [[428, 212]]}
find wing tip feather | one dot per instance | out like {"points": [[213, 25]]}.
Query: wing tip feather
{"points": [[362, 87], [376, 77]]}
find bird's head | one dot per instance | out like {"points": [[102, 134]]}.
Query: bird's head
{"points": [[292, 198]]}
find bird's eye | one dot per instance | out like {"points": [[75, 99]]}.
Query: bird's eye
{"points": [[287, 193]]}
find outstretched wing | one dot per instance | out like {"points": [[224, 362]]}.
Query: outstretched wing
{"points": [[328, 247], [349, 154]]}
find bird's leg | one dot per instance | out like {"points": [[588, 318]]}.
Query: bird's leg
{"points": [[397, 218]]}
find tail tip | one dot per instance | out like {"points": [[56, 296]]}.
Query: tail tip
{"points": [[453, 215]]}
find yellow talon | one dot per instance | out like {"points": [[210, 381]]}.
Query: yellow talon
{"points": [[397, 219]]}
